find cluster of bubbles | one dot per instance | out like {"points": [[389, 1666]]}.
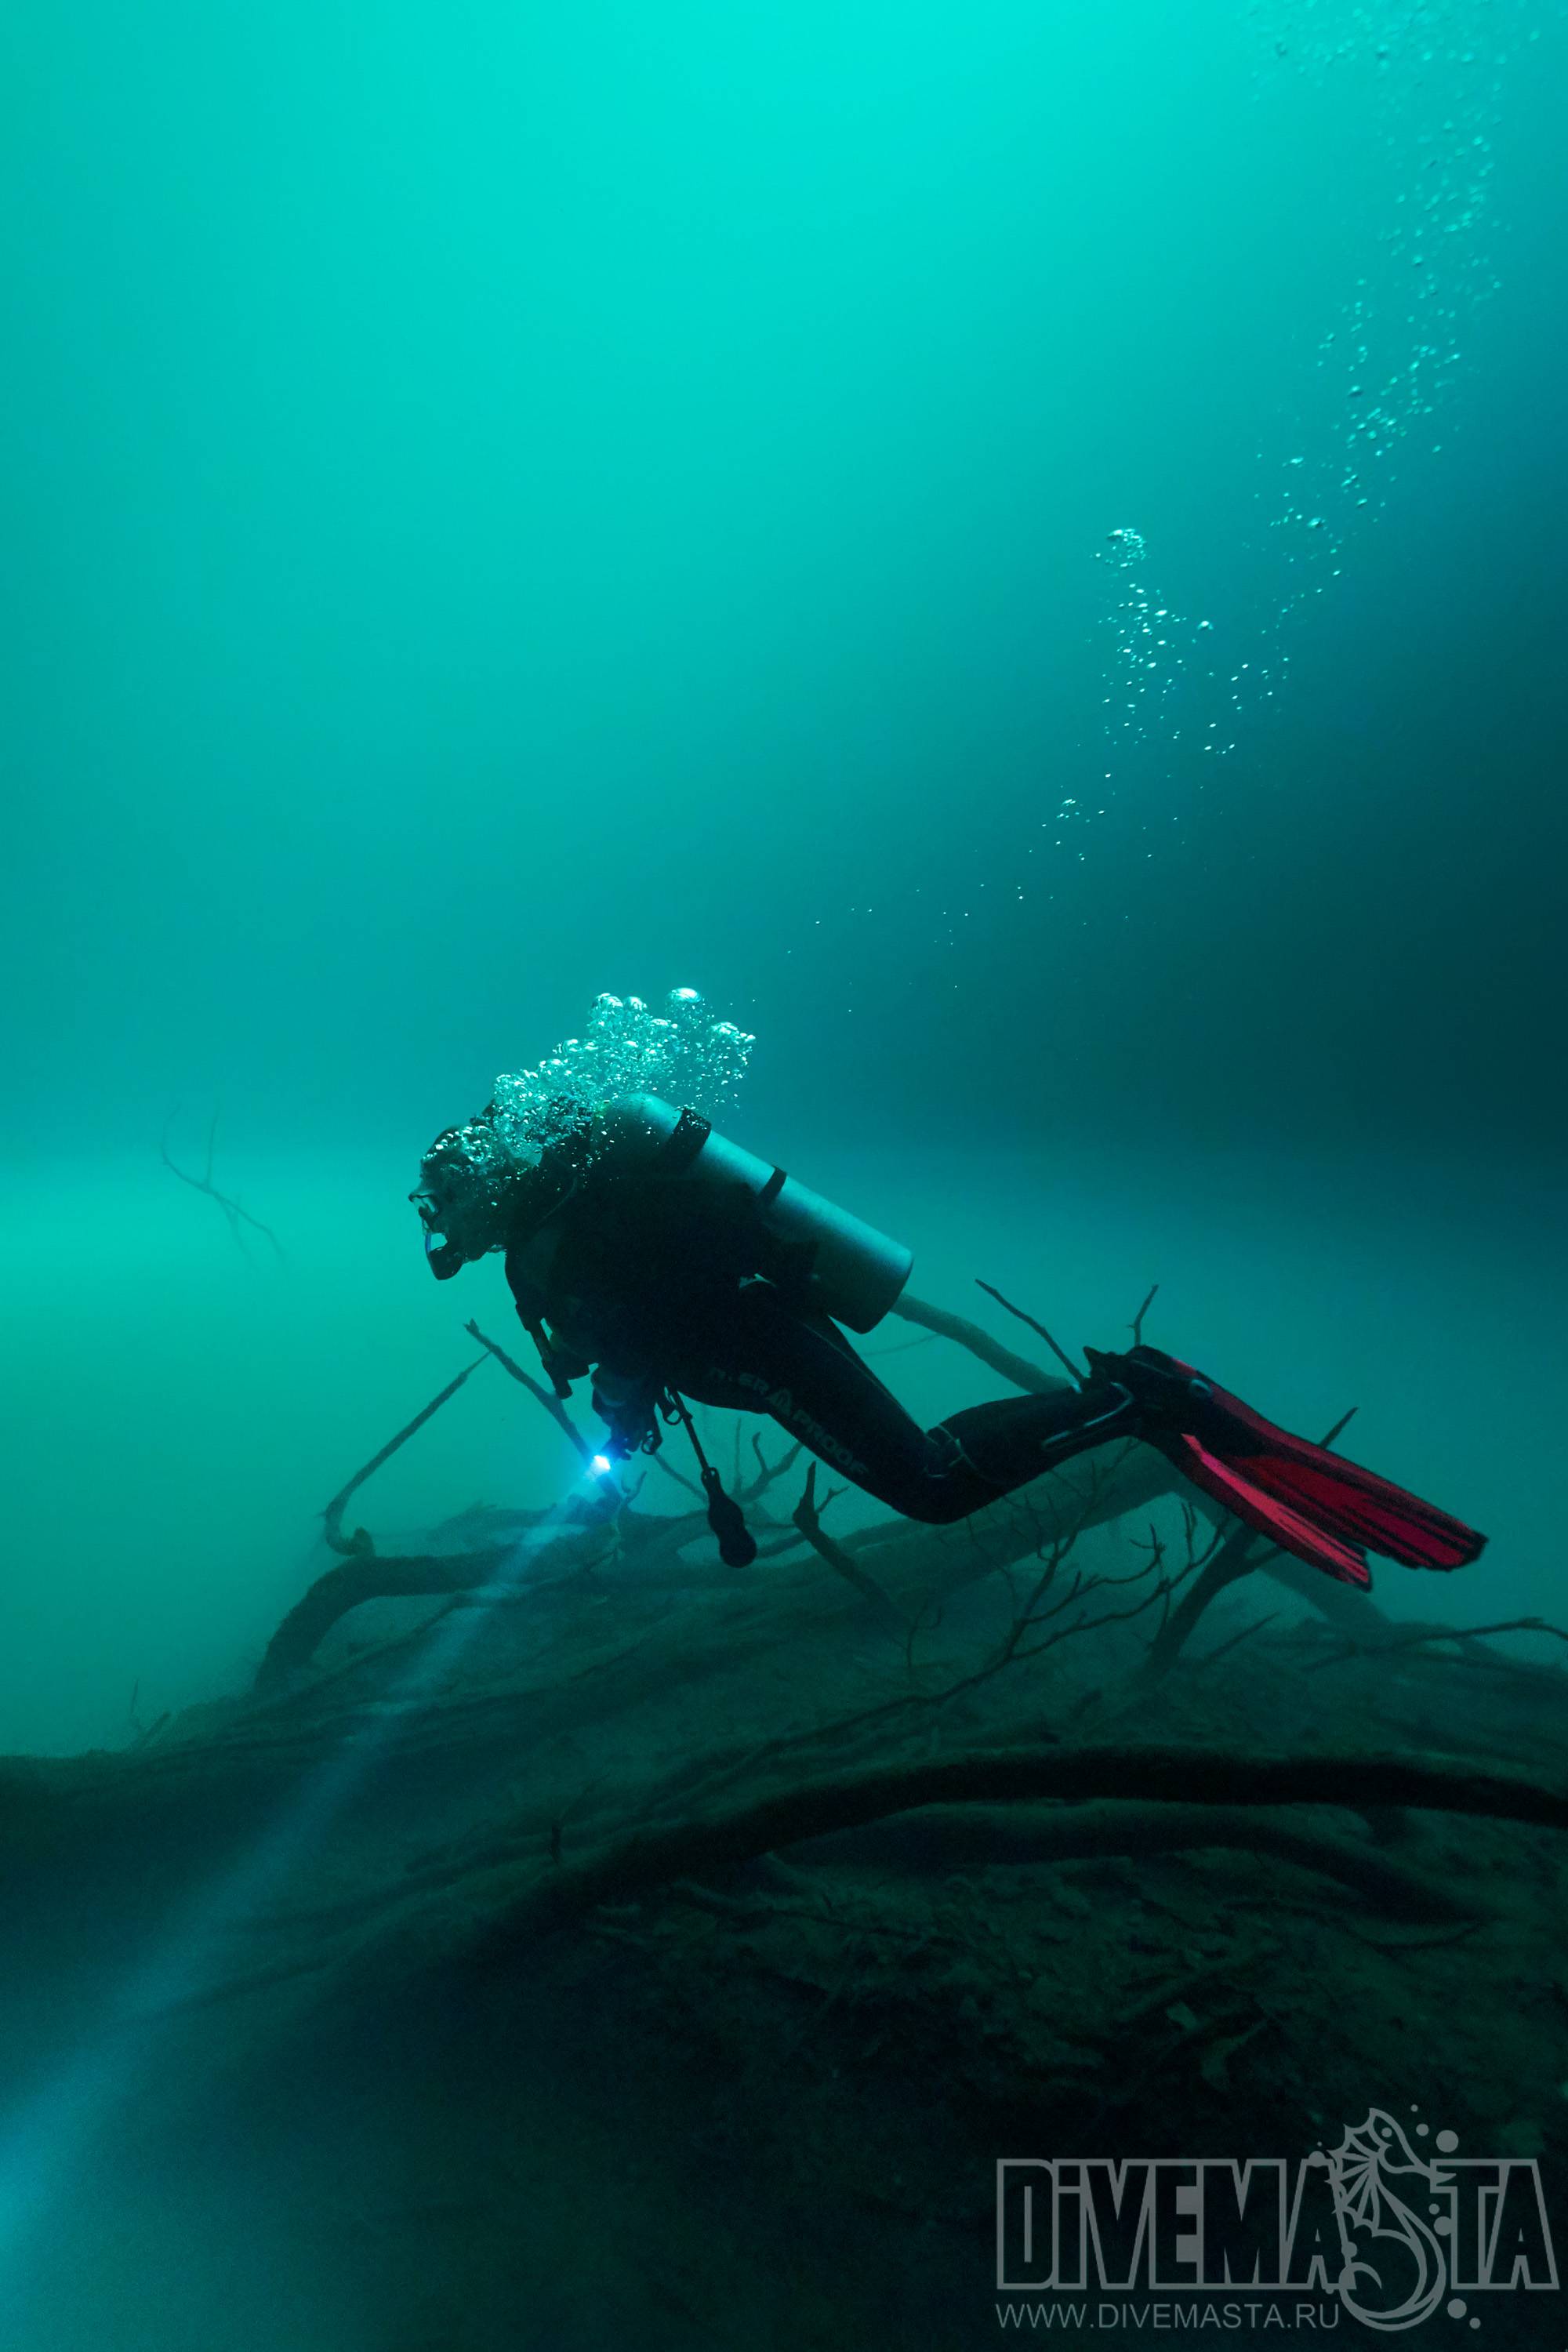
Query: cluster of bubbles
{"points": [[1153, 645], [682, 1054], [1434, 72], [1160, 675]]}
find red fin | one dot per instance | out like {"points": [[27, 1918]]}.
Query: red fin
{"points": [[1315, 1504], [1270, 1517], [1365, 1510]]}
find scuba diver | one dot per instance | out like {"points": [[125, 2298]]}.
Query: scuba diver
{"points": [[647, 1252]]}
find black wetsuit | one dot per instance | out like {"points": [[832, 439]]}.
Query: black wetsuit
{"points": [[657, 1286]]}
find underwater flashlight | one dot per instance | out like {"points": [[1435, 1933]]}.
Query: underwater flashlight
{"points": [[600, 1465]]}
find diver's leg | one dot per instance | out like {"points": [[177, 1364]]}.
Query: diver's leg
{"points": [[1329, 1512], [760, 1356]]}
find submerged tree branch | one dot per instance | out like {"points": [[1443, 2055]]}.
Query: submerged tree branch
{"points": [[552, 1405], [807, 1517], [1017, 1370], [367, 1576], [361, 1541]]}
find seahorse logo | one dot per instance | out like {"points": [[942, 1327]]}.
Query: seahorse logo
{"points": [[1368, 2171]]}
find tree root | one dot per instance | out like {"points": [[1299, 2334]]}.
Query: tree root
{"points": [[638, 1864], [977, 1837]]}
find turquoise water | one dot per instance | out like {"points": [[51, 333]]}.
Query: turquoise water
{"points": [[1017, 550], [525, 508]]}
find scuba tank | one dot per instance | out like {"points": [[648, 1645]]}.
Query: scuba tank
{"points": [[853, 1272]]}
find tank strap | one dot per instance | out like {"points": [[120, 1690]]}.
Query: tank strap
{"points": [[771, 1189], [685, 1139]]}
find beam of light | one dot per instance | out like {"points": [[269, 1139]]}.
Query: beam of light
{"points": [[47, 2134]]}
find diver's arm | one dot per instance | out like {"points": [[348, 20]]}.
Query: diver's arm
{"points": [[536, 1234]]}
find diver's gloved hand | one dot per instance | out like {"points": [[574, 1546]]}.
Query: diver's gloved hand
{"points": [[630, 1405]]}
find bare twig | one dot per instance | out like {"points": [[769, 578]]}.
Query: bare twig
{"points": [[1235, 1642], [679, 1477], [1429, 1633], [1059, 1353], [807, 1518], [766, 1471], [551, 1403], [1032, 1617], [234, 1215]]}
